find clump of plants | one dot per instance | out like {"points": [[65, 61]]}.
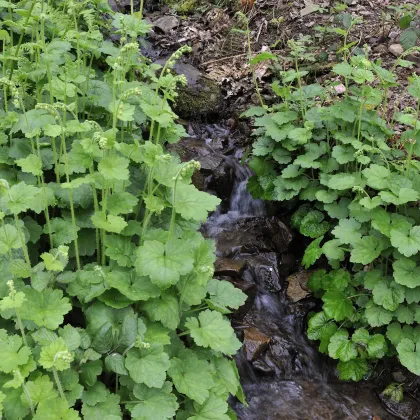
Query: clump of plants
{"points": [[356, 184], [407, 18], [108, 306]]}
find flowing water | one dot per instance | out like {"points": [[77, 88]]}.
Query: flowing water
{"points": [[290, 379]]}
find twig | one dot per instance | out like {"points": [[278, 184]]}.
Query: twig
{"points": [[259, 30]]}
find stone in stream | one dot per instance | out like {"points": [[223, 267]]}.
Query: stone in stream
{"points": [[215, 173], [265, 269], [297, 288], [262, 367], [253, 235], [408, 409], [280, 354], [255, 343], [229, 267]]}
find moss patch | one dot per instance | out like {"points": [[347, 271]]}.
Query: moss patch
{"points": [[201, 99], [184, 6]]}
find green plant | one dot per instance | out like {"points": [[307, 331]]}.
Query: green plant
{"points": [[343, 23], [108, 306], [407, 18], [359, 186], [244, 21]]}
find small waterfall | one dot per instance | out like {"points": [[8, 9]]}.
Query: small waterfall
{"points": [[291, 380]]}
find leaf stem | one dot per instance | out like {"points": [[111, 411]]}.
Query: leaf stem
{"points": [[171, 227], [73, 217], [7, 239], [22, 240], [58, 383], [28, 396], [22, 330]]}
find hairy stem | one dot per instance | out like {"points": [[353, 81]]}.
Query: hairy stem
{"points": [[58, 383], [22, 240]]}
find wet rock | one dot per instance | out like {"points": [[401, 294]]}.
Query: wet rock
{"points": [[297, 285], [215, 174], [262, 367], [279, 354], [286, 264], [396, 49], [166, 23], [408, 409], [265, 271], [220, 181], [300, 309], [255, 343], [229, 267], [255, 234]]}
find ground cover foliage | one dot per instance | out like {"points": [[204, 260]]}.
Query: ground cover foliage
{"points": [[356, 183], [108, 306]]}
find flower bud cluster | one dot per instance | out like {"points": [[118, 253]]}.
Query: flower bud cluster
{"points": [[129, 48], [358, 189], [189, 168], [14, 91], [63, 251], [206, 269], [70, 8], [11, 286], [166, 158], [52, 109], [140, 344], [126, 49], [65, 356], [131, 92], [60, 106], [100, 139], [177, 55], [99, 270], [94, 125]]}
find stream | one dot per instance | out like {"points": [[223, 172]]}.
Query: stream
{"points": [[282, 373]]}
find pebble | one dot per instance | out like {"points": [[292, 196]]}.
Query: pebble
{"points": [[396, 49]]}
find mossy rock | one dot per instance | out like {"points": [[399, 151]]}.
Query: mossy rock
{"points": [[202, 97]]}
